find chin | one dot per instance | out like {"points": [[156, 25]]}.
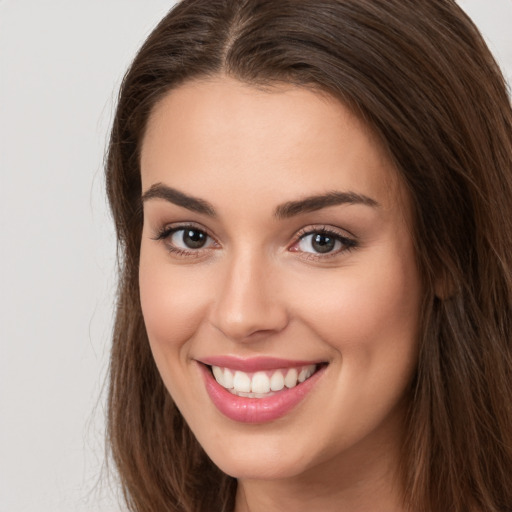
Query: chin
{"points": [[259, 455], [259, 467]]}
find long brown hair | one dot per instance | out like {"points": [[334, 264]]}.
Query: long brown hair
{"points": [[420, 75]]}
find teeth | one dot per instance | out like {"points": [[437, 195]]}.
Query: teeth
{"points": [[242, 382], [277, 381], [228, 379], [262, 383], [305, 373], [290, 381], [219, 375]]}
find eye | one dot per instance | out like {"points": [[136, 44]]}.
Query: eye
{"points": [[189, 238], [318, 242], [185, 240], [323, 242]]}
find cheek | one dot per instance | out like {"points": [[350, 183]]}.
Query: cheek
{"points": [[173, 300], [368, 312], [370, 319]]}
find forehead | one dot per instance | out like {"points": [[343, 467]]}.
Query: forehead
{"points": [[280, 141]]}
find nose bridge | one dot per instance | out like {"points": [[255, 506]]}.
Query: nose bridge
{"points": [[247, 302]]}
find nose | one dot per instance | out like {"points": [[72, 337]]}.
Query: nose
{"points": [[248, 302]]}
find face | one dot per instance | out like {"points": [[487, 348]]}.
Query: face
{"points": [[277, 276]]}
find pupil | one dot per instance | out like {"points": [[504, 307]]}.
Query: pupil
{"points": [[323, 243], [194, 239]]}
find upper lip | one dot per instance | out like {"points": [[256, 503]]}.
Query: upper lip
{"points": [[253, 364]]}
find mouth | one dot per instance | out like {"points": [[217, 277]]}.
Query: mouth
{"points": [[258, 391], [261, 384]]}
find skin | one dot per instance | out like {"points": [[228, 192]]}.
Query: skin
{"points": [[256, 288]]}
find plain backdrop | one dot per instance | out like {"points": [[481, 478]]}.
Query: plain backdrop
{"points": [[61, 62]]}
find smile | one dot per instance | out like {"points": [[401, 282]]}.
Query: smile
{"points": [[261, 384], [258, 390]]}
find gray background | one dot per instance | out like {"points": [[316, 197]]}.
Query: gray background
{"points": [[61, 63]]}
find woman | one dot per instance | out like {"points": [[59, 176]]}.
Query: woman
{"points": [[312, 201]]}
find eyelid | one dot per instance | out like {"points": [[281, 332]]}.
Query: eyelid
{"points": [[326, 228], [347, 239], [164, 234]]}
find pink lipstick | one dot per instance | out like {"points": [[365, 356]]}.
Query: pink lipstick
{"points": [[258, 390]]}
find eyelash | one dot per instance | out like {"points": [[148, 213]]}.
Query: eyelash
{"points": [[348, 244], [165, 233]]}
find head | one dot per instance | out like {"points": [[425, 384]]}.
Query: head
{"points": [[418, 81]]}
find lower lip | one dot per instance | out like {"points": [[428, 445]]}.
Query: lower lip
{"points": [[257, 410]]}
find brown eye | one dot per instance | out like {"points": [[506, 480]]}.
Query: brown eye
{"points": [[189, 239], [320, 243], [323, 243], [194, 239]]}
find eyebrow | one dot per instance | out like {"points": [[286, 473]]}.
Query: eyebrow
{"points": [[283, 211], [161, 191], [317, 202]]}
